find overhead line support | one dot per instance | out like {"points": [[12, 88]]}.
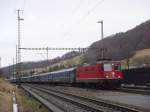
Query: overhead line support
{"points": [[19, 43]]}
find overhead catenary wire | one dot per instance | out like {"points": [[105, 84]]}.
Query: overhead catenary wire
{"points": [[52, 48], [75, 10], [23, 4], [91, 10], [0, 62], [83, 17], [78, 7]]}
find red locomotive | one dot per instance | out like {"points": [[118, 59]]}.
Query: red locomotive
{"points": [[104, 73]]}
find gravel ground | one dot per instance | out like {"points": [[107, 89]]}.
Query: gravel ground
{"points": [[137, 100], [142, 101]]}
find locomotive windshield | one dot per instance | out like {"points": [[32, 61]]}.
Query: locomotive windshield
{"points": [[107, 67]]}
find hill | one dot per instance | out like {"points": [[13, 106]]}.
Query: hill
{"points": [[141, 58], [120, 46]]}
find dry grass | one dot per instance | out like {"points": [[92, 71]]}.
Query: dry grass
{"points": [[5, 102], [25, 103], [6, 87], [73, 61], [5, 96], [28, 104], [140, 57], [142, 53]]}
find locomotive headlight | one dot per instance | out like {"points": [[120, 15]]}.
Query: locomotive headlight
{"points": [[107, 76], [119, 76]]}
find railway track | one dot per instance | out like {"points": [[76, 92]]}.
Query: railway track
{"points": [[87, 104], [136, 87], [137, 90]]}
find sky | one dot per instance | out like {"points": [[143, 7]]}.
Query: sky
{"points": [[64, 23]]}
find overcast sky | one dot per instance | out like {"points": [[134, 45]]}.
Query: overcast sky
{"points": [[64, 23]]}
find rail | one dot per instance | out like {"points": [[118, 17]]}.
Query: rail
{"points": [[100, 105]]}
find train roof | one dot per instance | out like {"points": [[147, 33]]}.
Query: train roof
{"points": [[98, 62], [58, 71], [64, 70], [108, 61]]}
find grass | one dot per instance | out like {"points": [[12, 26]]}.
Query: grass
{"points": [[142, 53], [73, 61], [5, 102], [5, 96], [28, 104], [141, 57], [25, 102]]}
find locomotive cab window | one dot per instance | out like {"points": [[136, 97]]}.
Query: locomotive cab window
{"points": [[107, 67], [117, 67]]}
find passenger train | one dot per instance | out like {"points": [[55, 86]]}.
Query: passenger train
{"points": [[100, 74]]}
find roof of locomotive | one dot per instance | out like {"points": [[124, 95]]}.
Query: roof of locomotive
{"points": [[99, 62], [108, 61]]}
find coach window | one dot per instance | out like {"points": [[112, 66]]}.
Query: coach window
{"points": [[107, 67]]}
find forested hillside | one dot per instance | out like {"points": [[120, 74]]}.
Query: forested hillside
{"points": [[122, 45], [118, 47]]}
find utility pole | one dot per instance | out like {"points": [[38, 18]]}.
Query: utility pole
{"points": [[0, 67], [13, 69], [16, 69], [16, 54], [19, 45], [102, 36], [9, 68], [0, 62], [47, 57], [47, 53]]}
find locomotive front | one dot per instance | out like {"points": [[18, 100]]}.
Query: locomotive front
{"points": [[112, 73]]}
